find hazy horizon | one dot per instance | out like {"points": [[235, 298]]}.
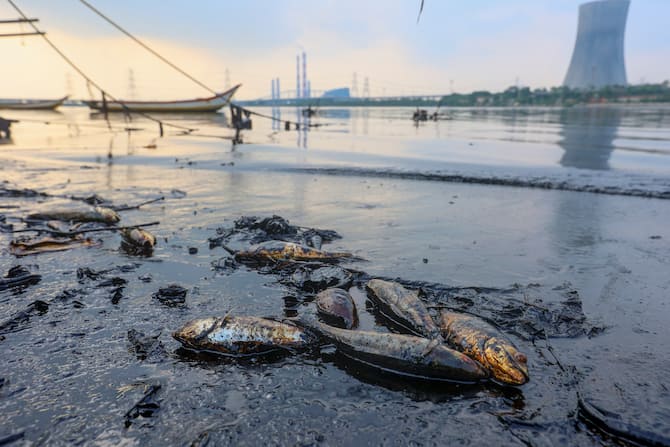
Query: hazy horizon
{"points": [[464, 47]]}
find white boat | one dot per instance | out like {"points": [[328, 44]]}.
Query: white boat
{"points": [[211, 104], [31, 104]]}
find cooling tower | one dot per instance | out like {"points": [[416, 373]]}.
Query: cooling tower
{"points": [[597, 59]]}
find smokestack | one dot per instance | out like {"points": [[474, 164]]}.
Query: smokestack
{"points": [[305, 94], [297, 76]]}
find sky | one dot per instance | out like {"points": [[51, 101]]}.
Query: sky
{"points": [[456, 45]]}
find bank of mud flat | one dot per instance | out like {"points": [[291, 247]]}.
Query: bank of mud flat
{"points": [[89, 357]]}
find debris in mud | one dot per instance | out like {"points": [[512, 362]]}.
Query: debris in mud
{"points": [[192, 250], [564, 319], [613, 424], [84, 273], [172, 295], [225, 265], [146, 407], [93, 199], [257, 229], [313, 278], [146, 277], [115, 281], [178, 193], [33, 246], [68, 294], [126, 207], [19, 276], [13, 324], [15, 193], [558, 314], [116, 295], [274, 225], [5, 227], [11, 438], [146, 347]]}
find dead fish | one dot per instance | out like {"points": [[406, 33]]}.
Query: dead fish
{"points": [[404, 355], [138, 238], [403, 307], [285, 251], [486, 344], [337, 307], [98, 214], [25, 247], [241, 336]]}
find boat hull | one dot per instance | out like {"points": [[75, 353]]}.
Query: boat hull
{"points": [[211, 104], [31, 104]]}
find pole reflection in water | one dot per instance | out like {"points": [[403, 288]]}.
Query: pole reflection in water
{"points": [[276, 119]]}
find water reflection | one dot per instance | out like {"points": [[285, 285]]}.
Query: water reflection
{"points": [[276, 119], [588, 135]]}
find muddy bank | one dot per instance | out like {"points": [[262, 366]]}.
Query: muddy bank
{"points": [[576, 280]]}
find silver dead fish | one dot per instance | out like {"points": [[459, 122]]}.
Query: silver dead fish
{"points": [[286, 251], [403, 307], [404, 355], [98, 214], [241, 336], [486, 344]]}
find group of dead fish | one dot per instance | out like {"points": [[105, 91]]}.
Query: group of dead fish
{"points": [[134, 239], [458, 347]]}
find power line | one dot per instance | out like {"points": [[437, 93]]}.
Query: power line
{"points": [[155, 53], [145, 46], [88, 79]]}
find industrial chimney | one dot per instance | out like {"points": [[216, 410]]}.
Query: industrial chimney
{"points": [[598, 59]]}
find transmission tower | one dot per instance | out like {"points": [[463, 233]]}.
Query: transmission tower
{"points": [[366, 87], [132, 90], [354, 86], [69, 88]]}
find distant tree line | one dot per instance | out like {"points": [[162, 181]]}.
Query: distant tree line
{"points": [[512, 96], [562, 96]]}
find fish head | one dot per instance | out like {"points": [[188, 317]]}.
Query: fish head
{"points": [[506, 363], [143, 238], [195, 331], [108, 214]]}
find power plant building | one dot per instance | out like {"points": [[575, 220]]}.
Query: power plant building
{"points": [[598, 58]]}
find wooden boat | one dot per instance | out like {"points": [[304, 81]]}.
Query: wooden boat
{"points": [[211, 104], [31, 104]]}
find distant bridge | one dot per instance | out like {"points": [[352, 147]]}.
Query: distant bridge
{"points": [[289, 96]]}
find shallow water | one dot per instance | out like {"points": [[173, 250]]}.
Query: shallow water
{"points": [[433, 205]]}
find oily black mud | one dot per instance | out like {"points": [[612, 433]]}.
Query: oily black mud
{"points": [[83, 367]]}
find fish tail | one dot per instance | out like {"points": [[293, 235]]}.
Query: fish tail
{"points": [[228, 249]]}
